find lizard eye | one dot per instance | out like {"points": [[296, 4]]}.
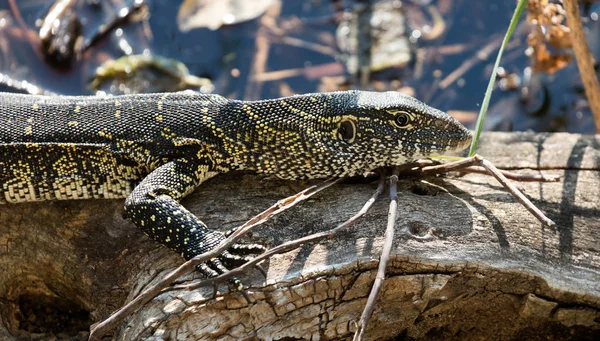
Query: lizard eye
{"points": [[402, 119], [347, 130]]}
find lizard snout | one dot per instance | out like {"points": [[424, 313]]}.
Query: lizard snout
{"points": [[461, 139]]}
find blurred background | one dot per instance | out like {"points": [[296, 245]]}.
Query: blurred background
{"points": [[441, 52]]}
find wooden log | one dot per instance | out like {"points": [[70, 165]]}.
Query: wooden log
{"points": [[469, 262]]}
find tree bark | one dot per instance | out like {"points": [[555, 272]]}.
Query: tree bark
{"points": [[469, 262]]}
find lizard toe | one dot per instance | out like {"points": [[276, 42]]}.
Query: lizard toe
{"points": [[206, 270], [234, 260], [247, 249], [219, 267], [214, 268]]}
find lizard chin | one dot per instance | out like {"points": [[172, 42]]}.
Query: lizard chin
{"points": [[425, 150]]}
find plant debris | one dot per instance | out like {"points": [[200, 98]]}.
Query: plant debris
{"points": [[548, 30]]}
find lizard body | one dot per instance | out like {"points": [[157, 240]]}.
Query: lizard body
{"points": [[153, 149]]}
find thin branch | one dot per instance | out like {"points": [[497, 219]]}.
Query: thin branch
{"points": [[56, 12], [465, 165], [452, 166], [263, 45], [383, 260], [30, 36], [102, 328], [285, 247], [110, 323], [517, 194], [477, 160], [468, 63], [416, 169], [584, 59], [296, 42], [416, 165], [514, 176]]}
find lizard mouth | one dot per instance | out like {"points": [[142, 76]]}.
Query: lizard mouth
{"points": [[425, 149]]}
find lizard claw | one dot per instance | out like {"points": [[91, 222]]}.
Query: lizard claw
{"points": [[214, 268], [206, 270], [236, 255]]}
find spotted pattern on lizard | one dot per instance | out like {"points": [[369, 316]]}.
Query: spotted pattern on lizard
{"points": [[154, 149]]}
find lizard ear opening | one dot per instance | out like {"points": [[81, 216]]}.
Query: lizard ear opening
{"points": [[346, 130]]}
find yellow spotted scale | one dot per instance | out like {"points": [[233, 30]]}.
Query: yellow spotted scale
{"points": [[154, 149]]}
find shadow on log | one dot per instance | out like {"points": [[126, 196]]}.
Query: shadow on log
{"points": [[469, 262]]}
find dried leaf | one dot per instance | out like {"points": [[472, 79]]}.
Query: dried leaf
{"points": [[535, 9], [216, 13], [543, 61], [547, 18], [559, 37]]}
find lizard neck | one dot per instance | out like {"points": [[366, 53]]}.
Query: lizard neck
{"points": [[280, 136]]}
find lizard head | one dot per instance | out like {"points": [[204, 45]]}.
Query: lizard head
{"points": [[341, 133], [389, 128]]}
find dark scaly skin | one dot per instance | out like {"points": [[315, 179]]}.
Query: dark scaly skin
{"points": [[154, 149]]}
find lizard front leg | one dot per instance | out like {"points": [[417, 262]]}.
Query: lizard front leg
{"points": [[153, 206]]}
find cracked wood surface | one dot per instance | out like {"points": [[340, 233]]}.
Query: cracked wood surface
{"points": [[469, 262]]}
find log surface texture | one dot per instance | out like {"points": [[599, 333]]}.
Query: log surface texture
{"points": [[468, 261]]}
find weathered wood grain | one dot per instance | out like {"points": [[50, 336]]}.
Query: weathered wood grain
{"points": [[469, 262]]}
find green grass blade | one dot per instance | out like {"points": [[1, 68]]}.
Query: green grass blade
{"points": [[488, 92]]}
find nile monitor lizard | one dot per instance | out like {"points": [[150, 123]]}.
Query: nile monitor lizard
{"points": [[154, 149]]}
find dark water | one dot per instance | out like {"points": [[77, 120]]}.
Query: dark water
{"points": [[228, 57]]}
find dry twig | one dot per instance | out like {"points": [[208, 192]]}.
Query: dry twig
{"points": [[416, 169], [102, 328], [426, 167], [383, 259], [263, 45], [285, 247], [517, 194], [584, 59], [468, 63], [514, 176], [477, 160], [422, 167], [29, 35]]}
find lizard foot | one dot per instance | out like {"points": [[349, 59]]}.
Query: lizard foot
{"points": [[214, 268], [237, 255]]}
